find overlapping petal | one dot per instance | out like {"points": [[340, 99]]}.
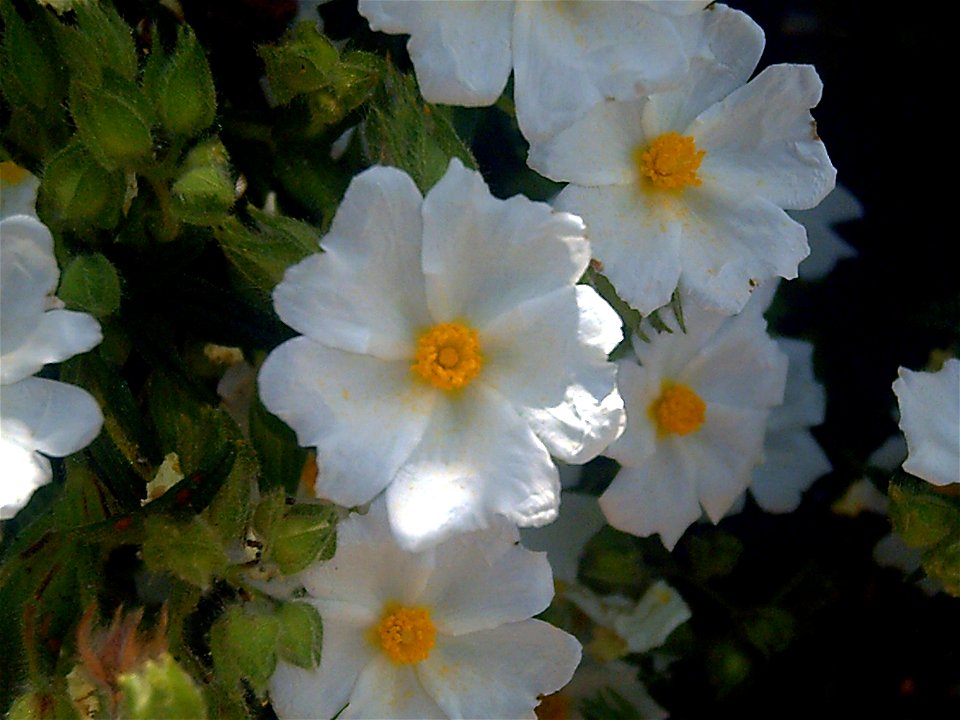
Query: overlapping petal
{"points": [[930, 418]]}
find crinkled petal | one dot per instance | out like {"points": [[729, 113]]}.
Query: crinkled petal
{"points": [[473, 589], [501, 672], [297, 692], [478, 458], [57, 335], [23, 472], [930, 419], [388, 690], [362, 414], [461, 51], [28, 274], [658, 496], [570, 56], [364, 294], [638, 244], [792, 461], [732, 243], [59, 418], [483, 256], [762, 140]]}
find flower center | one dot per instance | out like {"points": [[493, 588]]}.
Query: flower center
{"points": [[553, 707], [678, 410], [11, 173], [670, 162], [448, 356], [406, 634]]}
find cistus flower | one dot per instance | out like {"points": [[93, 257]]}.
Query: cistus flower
{"points": [[697, 407], [38, 416], [930, 420], [446, 353], [689, 186], [444, 633], [565, 56]]}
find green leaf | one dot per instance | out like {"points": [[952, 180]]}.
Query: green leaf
{"points": [[244, 646], [113, 121], [181, 86], [301, 634], [99, 41], [160, 690], [29, 76], [75, 191], [281, 457], [205, 190], [304, 62], [922, 517], [770, 629], [304, 535], [189, 550], [90, 283]]}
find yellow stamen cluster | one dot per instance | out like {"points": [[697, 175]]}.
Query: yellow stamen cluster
{"points": [[678, 410], [670, 162], [448, 356], [406, 634]]}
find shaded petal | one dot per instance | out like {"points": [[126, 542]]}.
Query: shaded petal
{"points": [[482, 256], [565, 538], [56, 418], [28, 274], [792, 461], [640, 386], [659, 496], [23, 471], [762, 140], [478, 458], [570, 56], [804, 399], [297, 692], [501, 672], [57, 335], [637, 242], [18, 190], [388, 690], [460, 50], [364, 294], [364, 415], [483, 580], [826, 246]]}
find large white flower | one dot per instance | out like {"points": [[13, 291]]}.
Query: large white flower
{"points": [[446, 354], [566, 56], [688, 186], [38, 416], [441, 633], [930, 420], [697, 407]]}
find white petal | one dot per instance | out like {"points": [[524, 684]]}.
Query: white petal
{"points": [[734, 242], [460, 50], [59, 418], [826, 246], [804, 400], [930, 419], [387, 690], [18, 191], [23, 472], [364, 415], [570, 56], [638, 246], [57, 335], [640, 386], [792, 461], [472, 589], [364, 294], [594, 677], [499, 673], [482, 256], [658, 496], [297, 692], [478, 458], [564, 539], [761, 140]]}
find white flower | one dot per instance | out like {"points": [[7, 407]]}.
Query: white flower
{"points": [[18, 190], [930, 420], [826, 246], [37, 415], [564, 540], [441, 633], [566, 56], [697, 407], [688, 186], [610, 682], [446, 354]]}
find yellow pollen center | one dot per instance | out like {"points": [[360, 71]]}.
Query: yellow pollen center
{"points": [[406, 634], [11, 173], [448, 356], [678, 410], [670, 162]]}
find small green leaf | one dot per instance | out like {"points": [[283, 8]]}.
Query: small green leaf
{"points": [[113, 121], [304, 535], [160, 690], [244, 646], [75, 191], [190, 550], [205, 190], [304, 62], [301, 634], [922, 517], [90, 283]]}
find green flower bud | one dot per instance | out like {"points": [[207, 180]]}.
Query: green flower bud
{"points": [[113, 121], [181, 86], [77, 192], [160, 690]]}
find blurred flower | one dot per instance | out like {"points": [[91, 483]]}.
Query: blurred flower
{"points": [[688, 186], [826, 246], [697, 409], [446, 354], [18, 190], [441, 633], [930, 420], [37, 415], [565, 56]]}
